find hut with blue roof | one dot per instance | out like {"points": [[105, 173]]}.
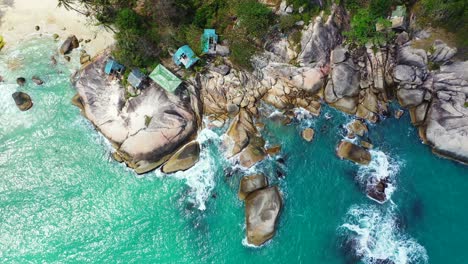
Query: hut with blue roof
{"points": [[209, 41], [113, 67], [185, 55], [136, 79]]}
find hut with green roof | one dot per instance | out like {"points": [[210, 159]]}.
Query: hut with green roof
{"points": [[165, 78]]}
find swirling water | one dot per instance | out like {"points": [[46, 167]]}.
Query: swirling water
{"points": [[64, 200]]}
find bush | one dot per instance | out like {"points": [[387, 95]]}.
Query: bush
{"points": [[287, 22], [254, 17], [128, 19], [241, 50]]}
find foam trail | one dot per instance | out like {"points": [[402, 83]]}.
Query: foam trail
{"points": [[201, 177], [377, 237]]}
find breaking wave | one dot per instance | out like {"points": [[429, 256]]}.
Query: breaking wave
{"points": [[201, 177], [373, 236], [381, 168]]}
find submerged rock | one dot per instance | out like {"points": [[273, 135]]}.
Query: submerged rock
{"points": [[262, 209], [21, 81], [143, 145], [251, 183], [350, 151], [183, 159], [22, 100], [69, 44], [37, 80]]}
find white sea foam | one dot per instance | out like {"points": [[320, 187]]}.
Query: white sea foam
{"points": [[201, 177], [380, 168], [377, 236]]}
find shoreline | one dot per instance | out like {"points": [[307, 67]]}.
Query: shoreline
{"points": [[19, 19]]}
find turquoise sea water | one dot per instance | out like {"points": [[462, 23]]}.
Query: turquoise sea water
{"points": [[64, 200]]}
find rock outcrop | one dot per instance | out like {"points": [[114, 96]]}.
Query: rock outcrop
{"points": [[308, 134], [69, 44], [251, 183], [145, 130], [262, 209], [436, 99], [22, 100], [350, 151], [183, 159]]}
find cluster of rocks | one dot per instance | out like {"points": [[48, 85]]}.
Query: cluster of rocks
{"points": [[147, 131], [262, 208], [436, 98]]}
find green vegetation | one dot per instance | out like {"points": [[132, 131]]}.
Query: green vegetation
{"points": [[366, 14], [449, 14], [147, 30]]}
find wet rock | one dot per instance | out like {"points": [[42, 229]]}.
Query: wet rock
{"points": [[22, 100], [252, 154], [399, 113], [69, 44], [358, 128], [350, 151], [55, 36], [67, 58], [251, 183], [262, 209], [183, 159], [37, 80], [273, 150], [366, 144], [308, 134], [21, 81], [53, 60], [376, 189], [37, 28]]}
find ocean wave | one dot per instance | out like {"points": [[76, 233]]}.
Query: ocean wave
{"points": [[372, 234], [201, 177], [382, 168]]}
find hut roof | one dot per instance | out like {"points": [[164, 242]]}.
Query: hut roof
{"points": [[112, 65], [185, 55], [135, 78], [207, 34], [165, 78]]}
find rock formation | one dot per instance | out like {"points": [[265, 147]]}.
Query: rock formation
{"points": [[69, 44], [251, 183], [262, 209], [145, 130], [350, 151], [22, 100], [436, 99]]}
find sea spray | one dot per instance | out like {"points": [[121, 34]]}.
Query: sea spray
{"points": [[201, 177], [375, 235], [381, 168]]}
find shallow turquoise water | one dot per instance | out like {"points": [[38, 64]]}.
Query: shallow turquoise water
{"points": [[63, 199]]}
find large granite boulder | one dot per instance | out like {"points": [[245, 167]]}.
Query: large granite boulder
{"points": [[183, 159], [145, 130], [350, 151], [441, 52], [69, 44], [251, 183], [22, 100], [262, 209], [446, 123]]}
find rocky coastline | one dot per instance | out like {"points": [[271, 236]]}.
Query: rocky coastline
{"points": [[321, 69]]}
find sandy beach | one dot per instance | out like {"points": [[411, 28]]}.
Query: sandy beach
{"points": [[18, 19]]}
